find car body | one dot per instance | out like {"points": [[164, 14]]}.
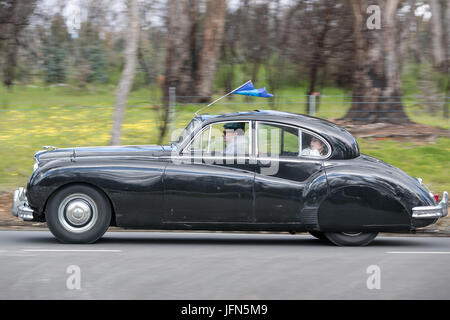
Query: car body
{"points": [[340, 195]]}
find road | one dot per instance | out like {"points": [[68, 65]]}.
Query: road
{"points": [[179, 265]]}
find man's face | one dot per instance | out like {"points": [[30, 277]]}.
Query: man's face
{"points": [[229, 134]]}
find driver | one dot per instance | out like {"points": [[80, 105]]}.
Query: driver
{"points": [[234, 137]]}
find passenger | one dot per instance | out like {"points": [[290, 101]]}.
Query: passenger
{"points": [[316, 149]]}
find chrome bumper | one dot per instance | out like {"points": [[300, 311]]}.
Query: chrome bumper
{"points": [[439, 211], [20, 207]]}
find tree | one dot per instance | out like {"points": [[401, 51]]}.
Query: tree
{"points": [[14, 15], [437, 45], [126, 79], [55, 49], [192, 52], [180, 47], [376, 79], [180, 54], [90, 54], [447, 62], [328, 31], [255, 48], [212, 40]]}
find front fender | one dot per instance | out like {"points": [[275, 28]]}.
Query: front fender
{"points": [[134, 186]]}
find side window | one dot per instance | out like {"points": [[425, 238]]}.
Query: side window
{"points": [[277, 140], [229, 138], [313, 146]]}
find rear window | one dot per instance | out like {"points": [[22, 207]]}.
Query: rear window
{"points": [[277, 140]]}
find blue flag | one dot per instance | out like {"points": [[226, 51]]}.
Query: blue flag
{"points": [[249, 90]]}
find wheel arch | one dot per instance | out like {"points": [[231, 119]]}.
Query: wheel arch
{"points": [[313, 195], [88, 184]]}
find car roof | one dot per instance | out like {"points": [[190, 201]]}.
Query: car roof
{"points": [[340, 139], [269, 115]]}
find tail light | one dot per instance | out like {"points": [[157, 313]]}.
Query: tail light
{"points": [[436, 196]]}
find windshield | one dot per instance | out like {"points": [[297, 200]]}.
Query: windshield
{"points": [[187, 131]]}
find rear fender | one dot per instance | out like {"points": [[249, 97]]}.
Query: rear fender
{"points": [[355, 203]]}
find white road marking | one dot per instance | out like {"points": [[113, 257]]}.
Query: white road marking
{"points": [[70, 250], [421, 252]]}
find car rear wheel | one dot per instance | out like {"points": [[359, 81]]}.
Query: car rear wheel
{"points": [[351, 238], [78, 214], [319, 235]]}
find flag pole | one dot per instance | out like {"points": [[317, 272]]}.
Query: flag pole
{"points": [[196, 113]]}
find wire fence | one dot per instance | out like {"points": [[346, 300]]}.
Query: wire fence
{"points": [[144, 114]]}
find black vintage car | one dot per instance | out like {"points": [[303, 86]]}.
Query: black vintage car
{"points": [[246, 171]]}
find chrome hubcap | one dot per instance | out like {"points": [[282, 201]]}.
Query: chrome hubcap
{"points": [[77, 213]]}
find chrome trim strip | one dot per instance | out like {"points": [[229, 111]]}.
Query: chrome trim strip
{"points": [[426, 212], [251, 159], [250, 145], [302, 160], [209, 139], [300, 142]]}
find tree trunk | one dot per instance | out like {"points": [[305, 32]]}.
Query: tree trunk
{"points": [[145, 67], [406, 34], [318, 58], [445, 107], [437, 47], [212, 40], [126, 80], [415, 46], [14, 17], [447, 32], [180, 55], [180, 47], [10, 62], [447, 62], [376, 79]]}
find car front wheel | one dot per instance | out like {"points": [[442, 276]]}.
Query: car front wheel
{"points": [[351, 238], [78, 214]]}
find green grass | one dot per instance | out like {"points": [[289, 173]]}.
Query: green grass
{"points": [[31, 117], [427, 161], [54, 96]]}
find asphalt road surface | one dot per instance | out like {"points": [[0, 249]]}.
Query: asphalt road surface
{"points": [[179, 265]]}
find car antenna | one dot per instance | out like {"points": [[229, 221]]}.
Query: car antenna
{"points": [[196, 113]]}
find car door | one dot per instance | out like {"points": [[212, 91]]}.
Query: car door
{"points": [[205, 185], [284, 169]]}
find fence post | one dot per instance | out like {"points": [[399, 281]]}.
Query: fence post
{"points": [[312, 103], [172, 103]]}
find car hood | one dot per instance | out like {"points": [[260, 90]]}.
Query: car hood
{"points": [[106, 151]]}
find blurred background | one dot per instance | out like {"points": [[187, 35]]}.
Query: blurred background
{"points": [[102, 72]]}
